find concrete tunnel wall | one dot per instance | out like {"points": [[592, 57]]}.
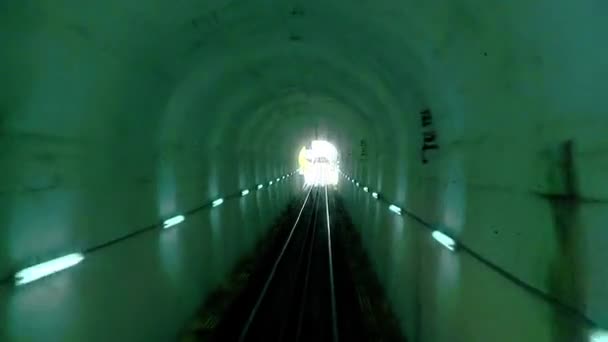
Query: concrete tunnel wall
{"points": [[118, 114]]}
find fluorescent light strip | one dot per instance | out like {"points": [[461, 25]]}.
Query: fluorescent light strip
{"points": [[217, 202], [394, 209], [44, 269], [245, 192], [445, 240], [375, 195], [173, 221], [599, 335], [366, 189], [260, 186]]}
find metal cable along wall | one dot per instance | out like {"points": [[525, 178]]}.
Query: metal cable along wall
{"points": [[38, 271], [456, 245]]}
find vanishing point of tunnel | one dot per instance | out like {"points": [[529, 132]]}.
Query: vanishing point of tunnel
{"points": [[149, 154]]}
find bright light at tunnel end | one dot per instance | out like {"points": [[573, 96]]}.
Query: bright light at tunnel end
{"points": [[173, 221], [318, 164], [445, 240], [44, 269]]}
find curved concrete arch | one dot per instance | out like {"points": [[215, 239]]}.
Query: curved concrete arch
{"points": [[117, 115], [249, 86]]}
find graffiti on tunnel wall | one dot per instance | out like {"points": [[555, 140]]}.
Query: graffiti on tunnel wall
{"points": [[429, 135], [363, 144]]}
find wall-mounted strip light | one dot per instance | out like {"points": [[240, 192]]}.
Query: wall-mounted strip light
{"points": [[44, 269], [394, 209], [445, 240], [375, 195], [260, 186], [245, 192], [173, 221], [599, 335], [217, 202], [366, 189]]}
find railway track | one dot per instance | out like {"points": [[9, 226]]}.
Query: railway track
{"points": [[297, 301], [302, 287], [294, 297]]}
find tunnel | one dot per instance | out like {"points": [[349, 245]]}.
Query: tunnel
{"points": [[476, 122]]}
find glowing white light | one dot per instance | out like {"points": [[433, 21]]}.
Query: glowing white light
{"points": [[394, 209], [217, 202], [283, 177], [445, 240], [44, 269], [260, 186], [270, 183], [375, 195], [318, 164], [599, 335], [357, 184], [279, 179], [245, 192], [324, 148], [173, 221], [352, 180], [366, 189]]}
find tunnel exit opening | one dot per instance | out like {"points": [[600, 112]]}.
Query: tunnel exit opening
{"points": [[319, 163]]}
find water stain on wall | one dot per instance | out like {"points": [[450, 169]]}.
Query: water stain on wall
{"points": [[563, 280]]}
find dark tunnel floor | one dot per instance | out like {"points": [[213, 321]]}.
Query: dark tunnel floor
{"points": [[297, 302]]}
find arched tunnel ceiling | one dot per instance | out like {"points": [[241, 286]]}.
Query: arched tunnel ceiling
{"points": [[117, 114], [286, 69], [230, 51]]}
